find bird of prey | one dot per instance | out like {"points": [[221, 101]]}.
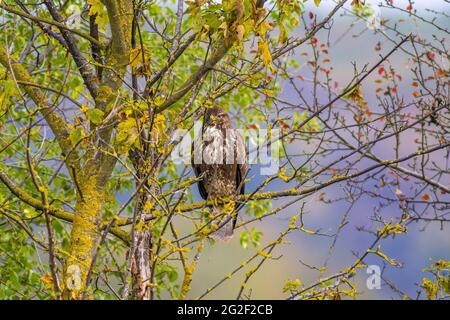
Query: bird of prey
{"points": [[219, 159]]}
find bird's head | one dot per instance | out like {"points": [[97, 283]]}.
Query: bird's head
{"points": [[216, 116]]}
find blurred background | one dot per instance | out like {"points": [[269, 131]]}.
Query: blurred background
{"points": [[294, 260]]}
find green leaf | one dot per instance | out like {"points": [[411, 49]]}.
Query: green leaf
{"points": [[29, 213], [256, 236], [95, 115], [243, 240], [291, 285], [75, 135], [7, 90], [172, 275]]}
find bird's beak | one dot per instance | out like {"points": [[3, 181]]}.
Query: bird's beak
{"points": [[220, 118]]}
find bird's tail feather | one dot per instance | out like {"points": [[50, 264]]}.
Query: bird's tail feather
{"points": [[225, 231], [225, 228]]}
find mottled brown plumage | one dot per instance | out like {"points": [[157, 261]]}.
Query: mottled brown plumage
{"points": [[219, 157]]}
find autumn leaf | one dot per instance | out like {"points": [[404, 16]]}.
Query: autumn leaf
{"points": [[264, 53], [46, 278], [355, 95], [135, 57], [282, 175], [263, 28], [284, 126], [148, 206], [430, 55], [440, 73], [127, 134], [430, 288]]}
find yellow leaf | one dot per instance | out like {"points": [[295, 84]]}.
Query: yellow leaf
{"points": [[430, 288], [356, 95], [98, 9], [148, 206], [84, 108], [282, 175], [135, 57], [263, 28], [263, 50], [127, 134], [46, 278]]}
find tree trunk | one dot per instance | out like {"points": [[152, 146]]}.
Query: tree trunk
{"points": [[141, 255], [84, 237]]}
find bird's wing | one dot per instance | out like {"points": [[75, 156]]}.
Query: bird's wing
{"points": [[241, 170], [198, 171], [241, 160]]}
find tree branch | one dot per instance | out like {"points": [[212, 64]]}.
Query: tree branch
{"points": [[305, 191], [51, 210], [55, 122], [51, 22], [222, 48], [86, 70]]}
